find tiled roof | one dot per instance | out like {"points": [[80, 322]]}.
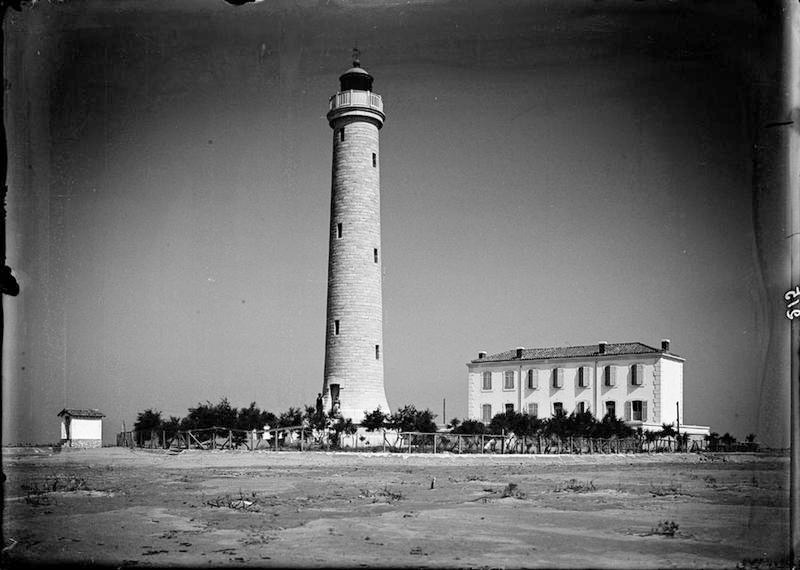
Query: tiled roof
{"points": [[82, 413], [612, 349]]}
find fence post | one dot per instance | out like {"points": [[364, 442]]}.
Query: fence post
{"points": [[384, 440], [409, 443], [483, 441], [434, 444], [459, 442]]}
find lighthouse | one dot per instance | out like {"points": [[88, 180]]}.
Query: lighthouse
{"points": [[354, 351]]}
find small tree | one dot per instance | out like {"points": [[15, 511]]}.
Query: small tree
{"points": [[454, 423], [210, 415], [148, 420], [470, 427], [667, 431], [171, 425], [291, 418], [374, 420], [557, 426], [727, 441], [339, 427], [249, 418], [409, 419], [502, 422], [315, 419]]}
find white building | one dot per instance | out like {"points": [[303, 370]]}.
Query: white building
{"points": [[81, 428], [638, 383]]}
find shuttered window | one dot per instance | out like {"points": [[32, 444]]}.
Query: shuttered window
{"points": [[487, 380], [558, 408], [558, 377], [508, 380], [637, 374], [486, 413], [533, 409], [509, 408], [533, 379], [636, 410], [583, 377], [581, 407], [610, 375], [611, 408]]}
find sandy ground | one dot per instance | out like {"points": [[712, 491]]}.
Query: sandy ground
{"points": [[119, 507]]}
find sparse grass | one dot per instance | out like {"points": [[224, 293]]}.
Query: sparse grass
{"points": [[666, 490], [381, 494], [575, 486], [241, 503], [511, 490], [764, 563], [665, 528], [38, 493]]}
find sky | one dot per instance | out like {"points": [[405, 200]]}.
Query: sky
{"points": [[553, 173]]}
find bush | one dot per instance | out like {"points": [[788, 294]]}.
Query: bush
{"points": [[374, 420], [409, 418], [469, 427]]}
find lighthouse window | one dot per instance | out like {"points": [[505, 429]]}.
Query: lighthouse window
{"points": [[374, 159], [341, 134], [377, 351], [336, 327], [375, 254], [338, 230]]}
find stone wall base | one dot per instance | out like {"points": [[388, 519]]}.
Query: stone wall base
{"points": [[81, 443]]}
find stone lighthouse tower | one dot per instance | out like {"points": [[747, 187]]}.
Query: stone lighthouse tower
{"points": [[354, 335]]}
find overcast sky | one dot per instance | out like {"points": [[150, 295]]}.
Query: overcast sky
{"points": [[553, 173]]}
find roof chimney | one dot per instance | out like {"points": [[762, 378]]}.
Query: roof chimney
{"points": [[601, 347], [519, 351], [665, 345], [481, 355]]}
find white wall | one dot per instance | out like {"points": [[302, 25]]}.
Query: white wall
{"points": [[661, 383], [83, 428], [671, 390]]}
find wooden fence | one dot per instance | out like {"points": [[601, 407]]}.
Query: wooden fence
{"points": [[304, 439]]}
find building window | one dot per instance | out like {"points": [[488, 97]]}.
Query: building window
{"points": [[508, 380], [533, 410], [377, 351], [533, 380], [637, 374], [558, 378], [486, 413], [336, 327], [509, 408], [338, 230], [487, 380], [341, 134], [636, 411], [611, 409], [583, 377], [374, 159], [375, 254], [609, 376], [581, 408], [558, 408]]}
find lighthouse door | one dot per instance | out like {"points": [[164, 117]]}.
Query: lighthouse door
{"points": [[334, 395]]}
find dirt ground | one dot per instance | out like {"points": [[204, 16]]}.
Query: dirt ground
{"points": [[115, 506]]}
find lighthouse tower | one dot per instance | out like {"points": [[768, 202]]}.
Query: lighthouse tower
{"points": [[354, 352]]}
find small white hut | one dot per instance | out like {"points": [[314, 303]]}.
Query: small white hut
{"points": [[81, 427]]}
